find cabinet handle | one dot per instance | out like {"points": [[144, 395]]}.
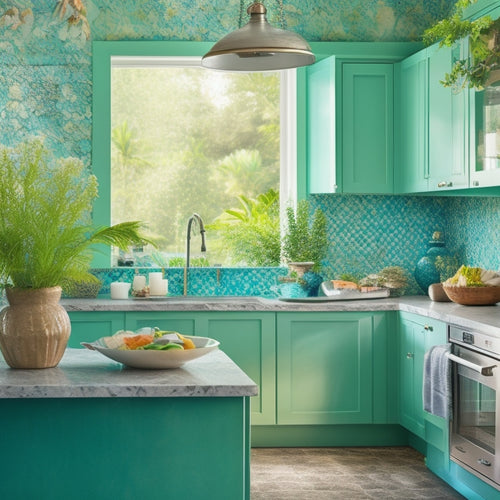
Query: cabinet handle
{"points": [[475, 183], [409, 355], [428, 328], [444, 184]]}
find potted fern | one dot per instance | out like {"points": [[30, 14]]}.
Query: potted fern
{"points": [[483, 65], [305, 241], [46, 241]]}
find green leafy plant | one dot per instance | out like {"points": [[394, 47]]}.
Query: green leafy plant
{"points": [[484, 36], [305, 239], [446, 266], [250, 234], [46, 234]]}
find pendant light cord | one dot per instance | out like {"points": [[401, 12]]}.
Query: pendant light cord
{"points": [[281, 13]]}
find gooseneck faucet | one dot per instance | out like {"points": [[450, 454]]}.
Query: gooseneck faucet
{"points": [[199, 221]]}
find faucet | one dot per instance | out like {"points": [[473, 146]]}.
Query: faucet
{"points": [[199, 220]]}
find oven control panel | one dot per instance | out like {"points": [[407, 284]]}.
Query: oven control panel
{"points": [[479, 341]]}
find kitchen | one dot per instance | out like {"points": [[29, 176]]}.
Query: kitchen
{"points": [[373, 228]]}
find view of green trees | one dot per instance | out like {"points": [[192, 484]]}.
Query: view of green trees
{"points": [[186, 140]]}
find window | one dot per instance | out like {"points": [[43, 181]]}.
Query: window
{"points": [[174, 139]]}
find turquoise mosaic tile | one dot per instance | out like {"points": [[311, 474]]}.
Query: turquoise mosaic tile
{"points": [[369, 233], [473, 226], [260, 282]]}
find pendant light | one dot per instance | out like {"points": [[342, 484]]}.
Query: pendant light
{"points": [[258, 46]]}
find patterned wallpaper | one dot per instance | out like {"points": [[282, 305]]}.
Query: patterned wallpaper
{"points": [[46, 47]]}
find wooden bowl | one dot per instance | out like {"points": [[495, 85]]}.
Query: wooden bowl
{"points": [[473, 295]]}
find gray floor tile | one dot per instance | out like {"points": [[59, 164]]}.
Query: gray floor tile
{"points": [[392, 473]]}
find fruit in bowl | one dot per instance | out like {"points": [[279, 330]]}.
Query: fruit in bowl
{"points": [[473, 286]]}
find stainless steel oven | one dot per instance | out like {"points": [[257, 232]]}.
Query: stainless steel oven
{"points": [[474, 437]]}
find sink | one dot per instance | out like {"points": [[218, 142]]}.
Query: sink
{"points": [[205, 298]]}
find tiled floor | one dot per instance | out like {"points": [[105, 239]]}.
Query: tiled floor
{"points": [[344, 473]]}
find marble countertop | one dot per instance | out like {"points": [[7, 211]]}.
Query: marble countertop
{"points": [[485, 319], [88, 374]]}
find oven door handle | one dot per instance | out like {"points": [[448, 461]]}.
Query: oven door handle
{"points": [[487, 371]]}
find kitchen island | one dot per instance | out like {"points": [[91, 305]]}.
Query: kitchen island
{"points": [[93, 429]]}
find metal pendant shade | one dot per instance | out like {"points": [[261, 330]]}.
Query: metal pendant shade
{"points": [[258, 46]]}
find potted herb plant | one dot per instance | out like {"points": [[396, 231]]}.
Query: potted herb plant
{"points": [[305, 242], [483, 65], [46, 241]]}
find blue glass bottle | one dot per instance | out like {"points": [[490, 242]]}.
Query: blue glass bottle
{"points": [[426, 272]]}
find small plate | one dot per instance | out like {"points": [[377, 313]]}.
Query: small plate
{"points": [[155, 360]]}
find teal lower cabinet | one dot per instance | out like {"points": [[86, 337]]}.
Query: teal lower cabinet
{"points": [[326, 367], [416, 336], [248, 338], [125, 448], [181, 322], [90, 326]]}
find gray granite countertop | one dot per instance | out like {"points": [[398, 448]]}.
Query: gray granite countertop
{"points": [[88, 374], [481, 318]]}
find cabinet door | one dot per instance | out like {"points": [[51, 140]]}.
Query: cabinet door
{"points": [[249, 340], [417, 336], [367, 128], [181, 322], [324, 368], [321, 165], [411, 365], [90, 326], [448, 124], [411, 176]]}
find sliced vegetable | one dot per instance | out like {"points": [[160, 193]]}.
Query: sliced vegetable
{"points": [[161, 347]]}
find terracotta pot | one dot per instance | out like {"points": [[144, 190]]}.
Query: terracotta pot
{"points": [[34, 328], [300, 268]]}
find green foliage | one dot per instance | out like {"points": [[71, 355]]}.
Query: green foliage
{"points": [[251, 234], [305, 241], [485, 56], [46, 233], [447, 266]]}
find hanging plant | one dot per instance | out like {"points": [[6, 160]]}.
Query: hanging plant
{"points": [[484, 46]]}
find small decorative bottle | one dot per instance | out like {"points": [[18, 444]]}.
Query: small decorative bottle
{"points": [[426, 272]]}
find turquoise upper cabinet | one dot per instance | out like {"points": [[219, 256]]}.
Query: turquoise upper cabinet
{"points": [[448, 124], [367, 127], [350, 126], [412, 171], [321, 164], [485, 123], [433, 152]]}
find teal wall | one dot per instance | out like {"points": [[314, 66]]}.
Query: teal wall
{"points": [[46, 90]]}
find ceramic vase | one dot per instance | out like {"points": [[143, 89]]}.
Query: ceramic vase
{"points": [[34, 328], [426, 272]]}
